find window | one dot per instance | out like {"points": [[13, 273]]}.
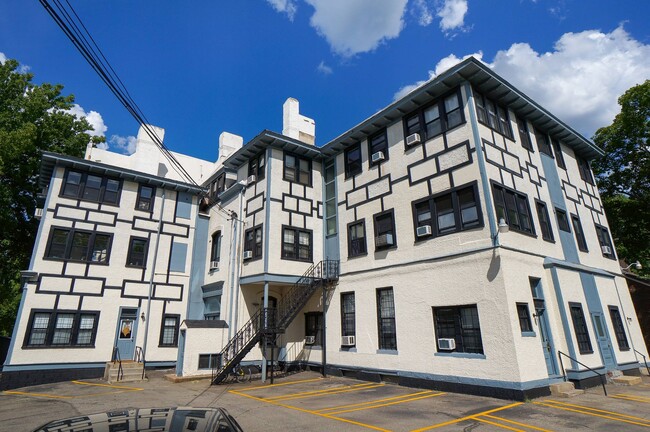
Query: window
{"points": [[256, 167], [619, 330], [314, 326], [524, 137], [385, 236], [209, 361], [297, 169], [91, 187], [353, 161], [524, 318], [330, 198], [212, 301], [347, 315], [59, 328], [253, 241], [562, 220], [386, 319], [434, 119], [453, 211], [137, 256], [357, 238], [378, 143], [461, 324], [580, 234], [169, 330], [585, 171], [544, 221], [76, 245], [217, 186], [215, 250], [542, 142], [605, 242], [513, 208], [146, 196], [296, 244], [580, 327], [559, 157], [492, 115]]}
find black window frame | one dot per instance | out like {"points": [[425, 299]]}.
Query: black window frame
{"points": [[376, 221], [80, 193], [430, 204], [217, 186], [448, 324], [50, 329], [422, 127], [525, 321], [585, 170], [353, 167], [378, 142], [297, 171], [257, 166], [297, 247], [501, 195], [215, 246], [213, 360], [314, 326], [493, 120], [581, 240], [130, 254], [348, 314], [544, 219], [143, 203], [559, 156], [524, 134], [386, 340], [69, 245], [252, 245], [619, 328], [175, 328], [562, 220], [543, 142], [353, 248], [580, 328], [605, 239]]}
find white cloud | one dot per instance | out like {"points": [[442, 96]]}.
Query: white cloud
{"points": [[287, 6], [324, 69], [422, 12], [452, 14], [93, 117], [356, 26], [3, 58], [125, 145]]}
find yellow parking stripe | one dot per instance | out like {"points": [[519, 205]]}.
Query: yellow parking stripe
{"points": [[593, 414], [517, 423], [596, 410], [262, 387], [372, 402], [634, 398], [473, 416], [497, 424], [368, 387], [319, 391], [107, 385], [36, 394], [387, 404]]}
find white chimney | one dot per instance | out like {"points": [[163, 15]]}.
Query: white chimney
{"points": [[295, 125], [147, 154], [229, 144]]}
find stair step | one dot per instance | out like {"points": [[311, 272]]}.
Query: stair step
{"points": [[627, 380], [562, 387], [570, 394]]}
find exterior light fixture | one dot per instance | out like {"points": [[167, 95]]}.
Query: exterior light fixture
{"points": [[142, 317], [637, 265], [503, 226]]}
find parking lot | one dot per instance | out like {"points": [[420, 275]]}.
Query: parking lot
{"points": [[307, 402]]}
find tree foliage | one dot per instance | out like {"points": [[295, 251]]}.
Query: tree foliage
{"points": [[624, 175], [33, 119]]}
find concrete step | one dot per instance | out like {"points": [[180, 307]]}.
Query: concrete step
{"points": [[565, 390], [570, 394], [628, 380]]}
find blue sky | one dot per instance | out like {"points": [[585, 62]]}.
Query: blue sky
{"points": [[202, 67]]}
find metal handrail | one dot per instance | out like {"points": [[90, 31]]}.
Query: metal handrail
{"points": [[139, 358], [115, 357], [602, 377], [644, 361]]}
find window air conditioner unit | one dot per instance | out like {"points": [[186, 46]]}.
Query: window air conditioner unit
{"points": [[310, 340], [606, 250], [251, 179], [413, 139], [447, 344], [38, 213], [376, 157], [347, 341], [214, 265], [384, 240], [424, 230], [248, 254]]}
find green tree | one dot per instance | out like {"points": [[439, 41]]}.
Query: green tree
{"points": [[33, 119], [624, 175]]}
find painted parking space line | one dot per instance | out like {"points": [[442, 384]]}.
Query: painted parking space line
{"points": [[117, 389], [631, 397], [483, 420], [262, 387], [121, 387], [594, 412], [372, 402], [470, 417], [386, 404], [524, 425], [41, 395], [326, 392]]}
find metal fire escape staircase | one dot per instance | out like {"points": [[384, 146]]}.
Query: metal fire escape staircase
{"points": [[271, 321]]}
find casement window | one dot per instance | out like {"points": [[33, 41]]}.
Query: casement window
{"points": [[512, 207], [253, 241], [580, 328], [523, 313], [562, 220], [296, 244], [436, 118], [209, 361], [217, 186], [492, 115], [524, 136], [544, 221], [76, 245], [357, 238], [378, 143], [314, 326], [215, 247], [543, 143], [585, 170], [386, 319], [211, 302], [137, 256], [48, 328], [559, 156], [619, 330], [169, 330], [146, 195], [256, 167], [91, 187], [385, 235], [330, 198], [580, 234], [352, 161], [348, 321], [460, 323], [448, 212], [605, 241], [297, 169]]}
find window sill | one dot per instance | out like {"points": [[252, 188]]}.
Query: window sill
{"points": [[358, 255], [167, 346], [385, 248], [314, 347], [460, 355], [387, 351], [310, 260], [528, 334], [73, 261], [348, 349], [30, 347]]}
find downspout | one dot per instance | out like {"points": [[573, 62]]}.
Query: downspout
{"points": [[267, 236], [234, 255], [239, 262]]}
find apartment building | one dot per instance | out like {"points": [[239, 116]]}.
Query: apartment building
{"points": [[454, 240]]}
